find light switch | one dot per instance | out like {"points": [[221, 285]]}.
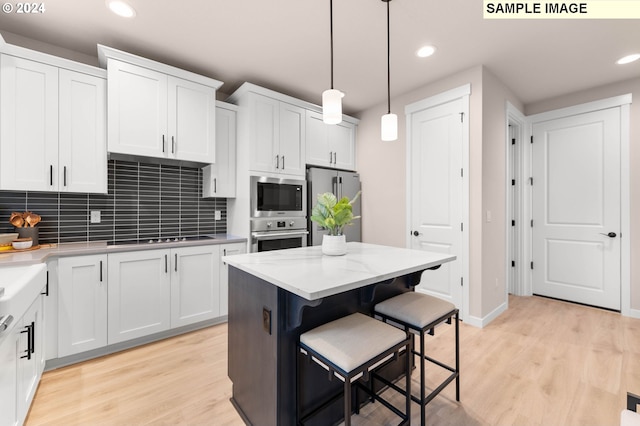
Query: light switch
{"points": [[488, 215], [218, 215], [95, 216]]}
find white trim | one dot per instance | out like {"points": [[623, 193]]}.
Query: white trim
{"points": [[440, 98], [484, 321], [613, 102], [625, 214], [516, 253], [623, 102], [461, 92]]}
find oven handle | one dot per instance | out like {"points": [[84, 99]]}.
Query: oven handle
{"points": [[261, 236]]}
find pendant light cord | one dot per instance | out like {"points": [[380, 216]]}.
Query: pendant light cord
{"points": [[388, 61], [331, 32]]}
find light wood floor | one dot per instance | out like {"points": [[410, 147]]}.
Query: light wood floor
{"points": [[543, 362]]}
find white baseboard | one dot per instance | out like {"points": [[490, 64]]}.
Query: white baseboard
{"points": [[632, 313], [483, 322]]}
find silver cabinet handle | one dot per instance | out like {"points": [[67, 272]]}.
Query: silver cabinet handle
{"points": [[173, 145], [215, 185], [335, 158], [162, 143], [330, 157], [283, 162], [166, 267], [176, 262], [64, 175], [277, 161], [5, 322], [51, 174], [101, 271]]}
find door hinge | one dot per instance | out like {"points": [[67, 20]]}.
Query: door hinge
{"points": [[531, 138], [513, 223], [531, 265], [513, 141], [513, 263], [462, 117], [461, 281], [513, 182]]}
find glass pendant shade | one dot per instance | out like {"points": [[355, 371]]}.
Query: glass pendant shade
{"points": [[332, 106], [389, 127]]}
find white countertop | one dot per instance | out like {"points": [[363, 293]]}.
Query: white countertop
{"points": [[308, 273]]}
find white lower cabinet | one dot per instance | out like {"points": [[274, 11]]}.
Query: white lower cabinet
{"points": [[82, 304], [227, 250], [139, 294], [21, 364], [195, 282]]}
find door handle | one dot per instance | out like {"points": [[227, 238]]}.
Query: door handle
{"points": [[416, 233], [610, 234]]}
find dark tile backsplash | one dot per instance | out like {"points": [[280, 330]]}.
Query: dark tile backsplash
{"points": [[144, 201]]}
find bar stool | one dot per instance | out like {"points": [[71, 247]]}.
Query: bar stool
{"points": [[421, 313], [349, 348]]}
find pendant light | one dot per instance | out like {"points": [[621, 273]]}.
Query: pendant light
{"points": [[332, 98], [389, 122]]}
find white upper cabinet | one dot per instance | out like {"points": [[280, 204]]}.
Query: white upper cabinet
{"points": [[159, 111], [82, 158], [137, 110], [330, 145], [28, 125], [52, 128], [277, 136], [219, 179]]}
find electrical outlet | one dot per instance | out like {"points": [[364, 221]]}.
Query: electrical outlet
{"points": [[266, 320], [218, 215], [95, 216]]}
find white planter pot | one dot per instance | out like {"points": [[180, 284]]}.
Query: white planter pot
{"points": [[334, 245]]}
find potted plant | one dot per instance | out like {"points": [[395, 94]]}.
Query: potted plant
{"points": [[333, 215]]}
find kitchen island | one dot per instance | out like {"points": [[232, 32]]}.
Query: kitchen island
{"points": [[275, 296]]}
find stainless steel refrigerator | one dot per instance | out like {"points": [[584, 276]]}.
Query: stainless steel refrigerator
{"points": [[342, 184]]}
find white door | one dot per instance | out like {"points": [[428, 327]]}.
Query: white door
{"points": [[83, 133], [264, 130], [437, 194], [28, 125], [195, 284], [291, 140], [139, 294], [82, 304], [191, 123], [576, 208], [137, 110]]}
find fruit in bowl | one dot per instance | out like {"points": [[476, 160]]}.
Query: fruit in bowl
{"points": [[22, 243]]}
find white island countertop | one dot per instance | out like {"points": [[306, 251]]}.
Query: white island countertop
{"points": [[308, 273]]}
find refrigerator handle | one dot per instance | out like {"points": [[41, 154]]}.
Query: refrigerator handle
{"points": [[334, 183]]}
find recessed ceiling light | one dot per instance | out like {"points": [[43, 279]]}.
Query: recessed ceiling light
{"points": [[426, 51], [628, 59], [121, 8]]}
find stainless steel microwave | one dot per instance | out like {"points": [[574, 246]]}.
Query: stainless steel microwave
{"points": [[274, 197]]}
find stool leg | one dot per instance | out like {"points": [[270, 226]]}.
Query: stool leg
{"points": [[422, 380], [457, 359], [347, 401], [408, 385]]}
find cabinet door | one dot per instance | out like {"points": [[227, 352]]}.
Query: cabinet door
{"points": [[192, 119], [291, 140], [28, 125], [9, 376], [137, 110], [220, 178], [264, 131], [342, 140], [317, 141], [227, 250], [29, 356], [194, 284], [83, 134], [82, 304], [139, 294]]}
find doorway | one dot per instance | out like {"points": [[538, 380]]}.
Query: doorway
{"points": [[578, 188], [438, 189]]}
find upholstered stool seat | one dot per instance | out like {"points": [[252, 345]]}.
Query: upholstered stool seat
{"points": [[421, 313], [352, 346]]}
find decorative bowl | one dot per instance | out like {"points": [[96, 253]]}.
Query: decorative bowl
{"points": [[22, 243], [5, 239]]}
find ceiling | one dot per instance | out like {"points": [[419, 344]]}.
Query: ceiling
{"points": [[284, 44]]}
